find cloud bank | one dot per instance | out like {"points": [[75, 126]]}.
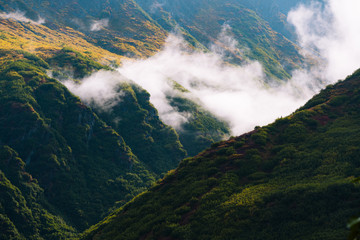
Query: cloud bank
{"points": [[100, 89], [332, 29], [20, 16], [237, 94]]}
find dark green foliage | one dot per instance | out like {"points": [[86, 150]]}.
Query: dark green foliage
{"points": [[80, 165], [292, 179], [137, 120], [23, 210], [73, 64], [201, 128]]}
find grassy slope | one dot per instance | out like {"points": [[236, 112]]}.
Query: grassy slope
{"points": [[43, 41], [64, 144], [289, 180], [275, 12], [130, 30]]}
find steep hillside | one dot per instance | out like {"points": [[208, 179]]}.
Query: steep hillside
{"points": [[214, 23], [125, 28], [154, 143], [119, 26], [45, 42], [72, 55], [275, 13], [202, 128], [292, 179], [137, 120], [73, 154], [23, 209]]}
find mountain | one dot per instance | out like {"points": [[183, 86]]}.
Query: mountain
{"points": [[275, 13], [46, 40], [73, 155], [72, 163], [22, 211], [139, 28], [202, 128], [66, 161], [154, 143], [229, 27], [292, 179], [119, 26]]}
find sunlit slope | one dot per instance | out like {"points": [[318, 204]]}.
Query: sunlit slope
{"points": [[289, 180], [122, 26], [205, 20], [125, 28], [41, 40]]}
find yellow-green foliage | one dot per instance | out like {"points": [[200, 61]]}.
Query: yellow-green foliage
{"points": [[43, 41]]}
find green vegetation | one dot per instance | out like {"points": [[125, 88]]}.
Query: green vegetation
{"points": [[154, 143], [22, 205], [130, 31], [204, 21], [201, 128], [135, 31], [293, 179], [69, 63], [64, 166], [80, 165]]}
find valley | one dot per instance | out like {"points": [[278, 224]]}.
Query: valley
{"points": [[157, 119]]}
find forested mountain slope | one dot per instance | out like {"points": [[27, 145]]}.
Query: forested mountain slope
{"points": [[139, 28], [119, 26], [66, 154], [292, 179], [66, 163], [49, 39], [71, 154], [220, 25]]}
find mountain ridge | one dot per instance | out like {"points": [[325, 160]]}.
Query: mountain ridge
{"points": [[297, 171], [65, 163]]}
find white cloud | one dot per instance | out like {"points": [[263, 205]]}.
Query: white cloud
{"points": [[97, 25], [20, 16], [333, 30], [100, 89], [234, 93], [238, 94]]}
